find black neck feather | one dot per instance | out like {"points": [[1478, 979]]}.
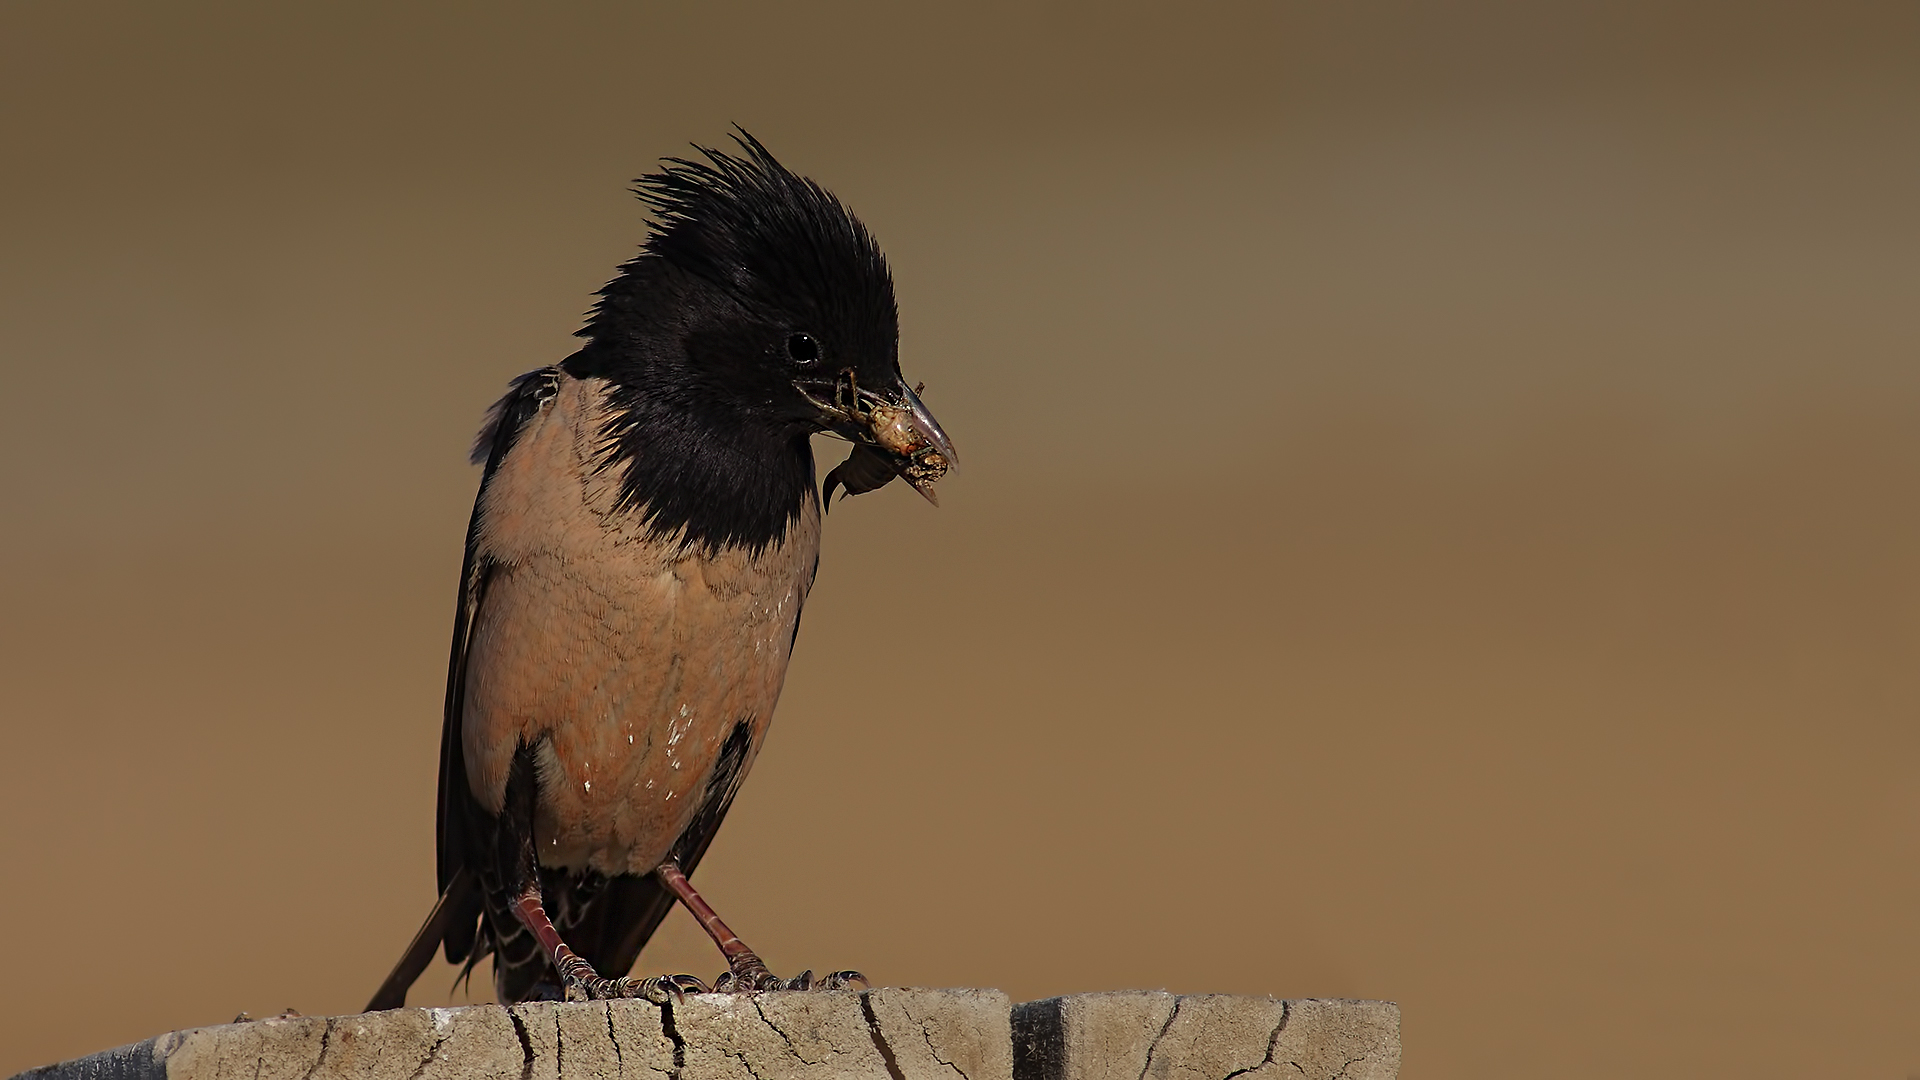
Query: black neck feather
{"points": [[698, 470]]}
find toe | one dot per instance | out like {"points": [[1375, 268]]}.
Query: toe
{"points": [[661, 989], [767, 980], [688, 984]]}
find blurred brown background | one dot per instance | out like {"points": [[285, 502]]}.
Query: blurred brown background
{"points": [[1437, 519]]}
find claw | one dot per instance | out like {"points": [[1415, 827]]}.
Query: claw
{"points": [[661, 989], [754, 982]]}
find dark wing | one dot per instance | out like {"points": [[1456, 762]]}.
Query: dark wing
{"points": [[455, 919], [524, 399]]}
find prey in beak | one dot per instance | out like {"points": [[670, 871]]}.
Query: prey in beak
{"points": [[893, 435]]}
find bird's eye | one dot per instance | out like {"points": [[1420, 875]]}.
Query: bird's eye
{"points": [[803, 349]]}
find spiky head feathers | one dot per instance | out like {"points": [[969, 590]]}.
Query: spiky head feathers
{"points": [[777, 244]]}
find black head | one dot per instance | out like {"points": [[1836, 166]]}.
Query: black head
{"points": [[757, 307]]}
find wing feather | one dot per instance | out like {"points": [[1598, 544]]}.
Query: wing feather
{"points": [[455, 918], [455, 828]]}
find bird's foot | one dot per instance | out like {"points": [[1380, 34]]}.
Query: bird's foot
{"points": [[754, 977], [659, 989]]}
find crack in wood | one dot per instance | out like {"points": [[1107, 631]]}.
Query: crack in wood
{"points": [[879, 1040], [326, 1043], [526, 1044], [1154, 1046], [672, 1032]]}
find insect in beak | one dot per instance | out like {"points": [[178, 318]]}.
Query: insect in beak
{"points": [[893, 435]]}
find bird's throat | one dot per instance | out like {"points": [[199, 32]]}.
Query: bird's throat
{"points": [[714, 479]]}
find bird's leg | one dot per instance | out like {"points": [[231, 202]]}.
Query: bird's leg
{"points": [[575, 974], [748, 972], [582, 983], [745, 970]]}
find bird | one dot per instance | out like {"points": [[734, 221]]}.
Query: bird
{"points": [[645, 535]]}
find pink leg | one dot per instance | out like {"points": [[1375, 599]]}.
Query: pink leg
{"points": [[578, 976], [743, 964]]}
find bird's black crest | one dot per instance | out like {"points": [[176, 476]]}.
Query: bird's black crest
{"points": [[773, 239], [742, 252]]}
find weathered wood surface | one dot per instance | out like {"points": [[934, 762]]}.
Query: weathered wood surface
{"points": [[885, 1034]]}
